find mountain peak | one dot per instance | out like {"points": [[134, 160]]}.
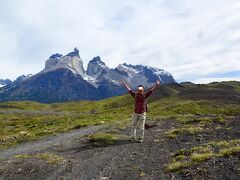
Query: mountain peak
{"points": [[71, 61], [55, 56], [74, 53], [131, 68], [139, 66], [97, 60], [96, 67]]}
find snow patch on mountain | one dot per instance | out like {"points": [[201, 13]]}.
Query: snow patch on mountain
{"points": [[159, 71], [129, 68], [91, 80]]}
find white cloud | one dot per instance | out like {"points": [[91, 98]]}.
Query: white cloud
{"points": [[192, 39]]}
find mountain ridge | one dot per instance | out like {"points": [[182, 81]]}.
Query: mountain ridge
{"points": [[97, 82], [4, 82]]}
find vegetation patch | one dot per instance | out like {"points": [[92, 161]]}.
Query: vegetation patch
{"points": [[50, 158], [198, 157], [230, 151], [173, 133], [177, 165], [202, 120], [193, 124], [103, 138], [215, 149]]}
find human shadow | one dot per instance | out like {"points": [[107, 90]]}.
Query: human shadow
{"points": [[88, 145]]}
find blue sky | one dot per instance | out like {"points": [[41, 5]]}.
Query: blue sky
{"points": [[195, 40]]}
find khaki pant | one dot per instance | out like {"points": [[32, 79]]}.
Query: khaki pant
{"points": [[138, 125]]}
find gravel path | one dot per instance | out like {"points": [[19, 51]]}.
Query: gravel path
{"points": [[45, 143]]}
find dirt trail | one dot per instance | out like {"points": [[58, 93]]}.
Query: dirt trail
{"points": [[45, 143]]}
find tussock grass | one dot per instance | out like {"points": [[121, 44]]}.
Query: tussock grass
{"points": [[177, 165], [229, 151], [103, 138], [193, 124], [198, 157], [173, 133], [50, 158], [215, 149]]}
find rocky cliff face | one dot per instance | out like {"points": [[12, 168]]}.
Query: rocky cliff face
{"points": [[96, 67], [97, 71], [71, 61]]}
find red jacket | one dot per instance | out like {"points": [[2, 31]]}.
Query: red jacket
{"points": [[140, 101]]}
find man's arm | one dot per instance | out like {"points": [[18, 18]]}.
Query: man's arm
{"points": [[150, 90], [128, 88], [156, 85]]}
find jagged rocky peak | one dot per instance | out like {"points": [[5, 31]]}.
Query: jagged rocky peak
{"points": [[96, 66], [55, 56], [97, 60], [74, 53], [147, 74], [130, 68], [141, 69], [71, 61]]}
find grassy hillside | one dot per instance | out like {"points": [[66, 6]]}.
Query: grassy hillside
{"points": [[27, 120], [23, 121]]}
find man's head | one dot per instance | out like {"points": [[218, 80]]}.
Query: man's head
{"points": [[140, 89]]}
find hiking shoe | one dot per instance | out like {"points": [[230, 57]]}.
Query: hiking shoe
{"points": [[132, 139], [140, 140]]}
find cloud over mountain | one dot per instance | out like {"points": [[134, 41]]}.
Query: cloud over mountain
{"points": [[192, 39]]}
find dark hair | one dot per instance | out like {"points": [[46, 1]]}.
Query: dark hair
{"points": [[141, 86]]}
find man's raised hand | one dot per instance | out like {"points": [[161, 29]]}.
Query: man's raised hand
{"points": [[125, 84]]}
